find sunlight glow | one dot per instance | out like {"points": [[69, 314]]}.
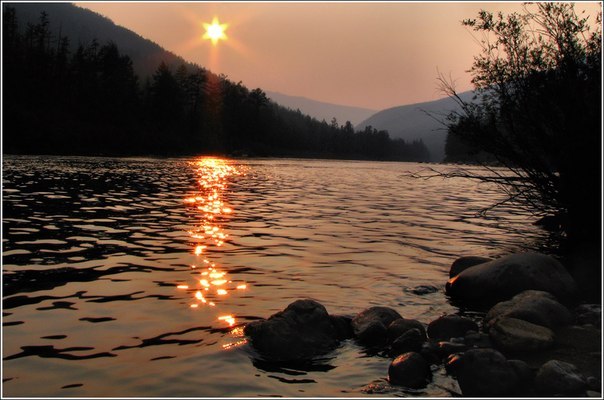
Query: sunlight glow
{"points": [[215, 31]]}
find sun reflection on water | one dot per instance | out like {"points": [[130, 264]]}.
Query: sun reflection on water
{"points": [[212, 285]]}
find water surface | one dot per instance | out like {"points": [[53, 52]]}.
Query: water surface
{"points": [[134, 277]]}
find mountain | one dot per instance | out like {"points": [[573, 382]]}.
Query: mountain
{"points": [[418, 121], [321, 110], [81, 26]]}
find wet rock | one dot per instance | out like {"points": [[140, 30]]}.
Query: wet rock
{"points": [[505, 277], [410, 370], [589, 314], [477, 340], [447, 348], [558, 378], [429, 351], [402, 325], [369, 326], [534, 306], [513, 335], [410, 341], [343, 326], [483, 373], [466, 262], [301, 331], [449, 326], [524, 372]]}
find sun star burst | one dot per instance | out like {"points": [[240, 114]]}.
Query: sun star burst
{"points": [[215, 31]]}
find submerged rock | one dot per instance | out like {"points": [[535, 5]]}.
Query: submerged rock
{"points": [[505, 277], [301, 331], [450, 326], [534, 306], [410, 370], [463, 263], [513, 335], [483, 373], [558, 378], [370, 325]]}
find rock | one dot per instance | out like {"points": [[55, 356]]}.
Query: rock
{"points": [[466, 262], [512, 335], [477, 340], [402, 325], [505, 277], [483, 373], [449, 326], [523, 371], [589, 314], [558, 378], [534, 306], [423, 290], [301, 331], [343, 326], [429, 351], [369, 326], [593, 393], [593, 383], [410, 341], [447, 348], [409, 370]]}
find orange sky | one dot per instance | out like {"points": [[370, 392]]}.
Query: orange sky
{"points": [[373, 55]]}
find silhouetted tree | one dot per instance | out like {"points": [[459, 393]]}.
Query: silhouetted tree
{"points": [[538, 82]]}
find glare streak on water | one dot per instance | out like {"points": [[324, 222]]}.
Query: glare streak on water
{"points": [[110, 266]]}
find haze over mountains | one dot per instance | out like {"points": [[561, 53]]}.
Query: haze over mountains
{"points": [[418, 121], [321, 110]]}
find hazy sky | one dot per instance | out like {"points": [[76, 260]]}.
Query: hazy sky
{"points": [[373, 55]]}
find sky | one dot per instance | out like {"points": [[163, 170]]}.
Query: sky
{"points": [[370, 55]]}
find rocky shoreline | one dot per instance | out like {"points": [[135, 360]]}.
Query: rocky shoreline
{"points": [[534, 340]]}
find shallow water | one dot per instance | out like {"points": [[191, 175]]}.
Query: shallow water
{"points": [[133, 277]]}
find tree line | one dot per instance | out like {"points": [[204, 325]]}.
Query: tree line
{"points": [[89, 101]]}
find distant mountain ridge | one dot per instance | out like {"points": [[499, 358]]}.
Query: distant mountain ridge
{"points": [[321, 110], [81, 26], [418, 121]]}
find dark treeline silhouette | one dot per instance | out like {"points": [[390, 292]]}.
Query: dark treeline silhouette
{"points": [[538, 81], [89, 101]]}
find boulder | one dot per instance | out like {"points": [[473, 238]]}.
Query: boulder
{"points": [[466, 262], [410, 341], [301, 331], [558, 378], [449, 326], [503, 278], [534, 306], [410, 370], [483, 373], [512, 335], [369, 326], [402, 325]]}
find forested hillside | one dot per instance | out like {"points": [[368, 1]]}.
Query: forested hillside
{"points": [[88, 99]]}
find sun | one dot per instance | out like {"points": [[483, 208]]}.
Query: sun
{"points": [[215, 31]]}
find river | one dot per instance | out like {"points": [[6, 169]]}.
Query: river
{"points": [[134, 276]]}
